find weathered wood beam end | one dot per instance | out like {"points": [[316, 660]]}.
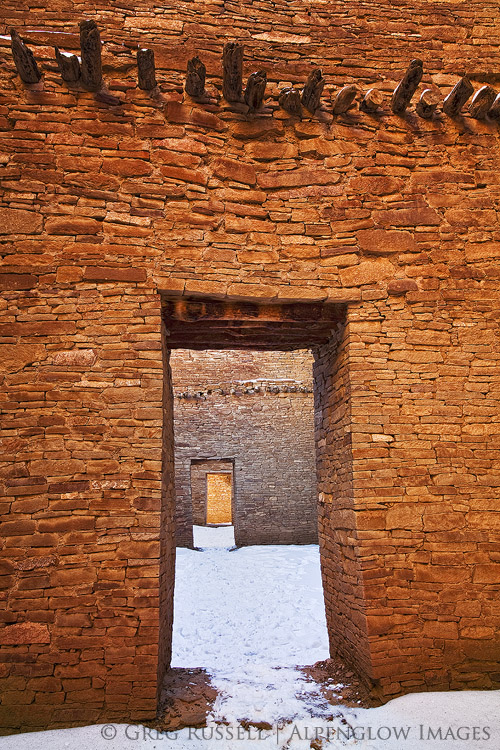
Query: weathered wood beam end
{"points": [[146, 71], [457, 97], [494, 111], [406, 87], [289, 100], [427, 104], [313, 88], [232, 72], [69, 66], [372, 100], [195, 78], [90, 46], [344, 98], [482, 102], [255, 89], [24, 59]]}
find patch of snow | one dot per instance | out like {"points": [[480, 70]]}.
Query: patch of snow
{"points": [[422, 721], [214, 536], [250, 616]]}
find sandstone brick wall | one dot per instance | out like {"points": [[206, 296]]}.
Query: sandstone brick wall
{"points": [[104, 208], [256, 410], [342, 576]]}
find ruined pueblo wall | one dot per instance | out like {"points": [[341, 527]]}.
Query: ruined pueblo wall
{"points": [[105, 206], [256, 409]]}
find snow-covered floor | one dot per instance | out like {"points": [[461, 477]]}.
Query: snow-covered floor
{"points": [[249, 616]]}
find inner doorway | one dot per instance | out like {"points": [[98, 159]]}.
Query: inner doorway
{"points": [[219, 499]]}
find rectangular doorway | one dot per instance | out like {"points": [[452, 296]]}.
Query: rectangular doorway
{"points": [[212, 491], [220, 325]]}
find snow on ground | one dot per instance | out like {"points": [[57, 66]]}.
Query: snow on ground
{"points": [[423, 721], [249, 616], [213, 536]]}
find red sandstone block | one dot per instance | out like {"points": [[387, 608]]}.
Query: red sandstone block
{"points": [[257, 129], [47, 328], [439, 629], [108, 273], [298, 178], [252, 291], [368, 272], [17, 697], [481, 650], [372, 519], [69, 225], [384, 241], [72, 576], [54, 467], [15, 528], [230, 169], [126, 167], [76, 683], [18, 221], [33, 563], [137, 550], [407, 217], [11, 281], [428, 338], [67, 715], [44, 684], [375, 185], [63, 488], [401, 286], [263, 151], [176, 112], [31, 582], [430, 176], [487, 573], [66, 523], [29, 489], [442, 573], [24, 633], [239, 224], [196, 176]]}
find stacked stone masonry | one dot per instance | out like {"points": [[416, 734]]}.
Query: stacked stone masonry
{"points": [[254, 409], [104, 209]]}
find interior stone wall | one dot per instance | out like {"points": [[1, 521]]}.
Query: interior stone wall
{"points": [[105, 207], [345, 602], [256, 409]]}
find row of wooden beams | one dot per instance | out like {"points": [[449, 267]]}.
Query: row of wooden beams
{"points": [[405, 89], [88, 71]]}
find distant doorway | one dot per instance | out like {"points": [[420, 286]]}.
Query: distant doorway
{"points": [[212, 491], [219, 498]]}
